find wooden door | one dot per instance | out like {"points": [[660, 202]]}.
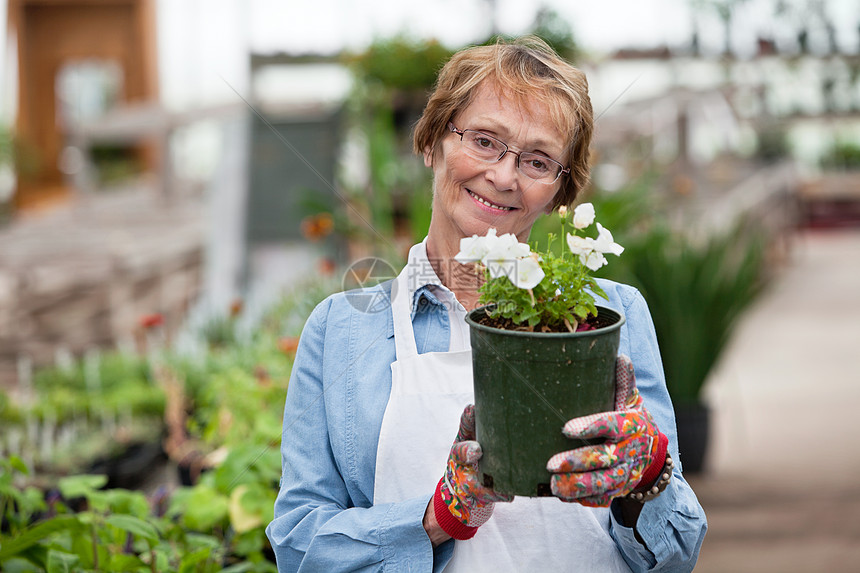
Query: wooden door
{"points": [[52, 34]]}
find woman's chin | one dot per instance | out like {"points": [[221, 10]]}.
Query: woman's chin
{"points": [[481, 226]]}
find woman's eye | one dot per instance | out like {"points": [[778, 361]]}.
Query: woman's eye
{"points": [[538, 164], [484, 142]]}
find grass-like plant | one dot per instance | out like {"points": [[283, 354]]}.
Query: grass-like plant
{"points": [[696, 290]]}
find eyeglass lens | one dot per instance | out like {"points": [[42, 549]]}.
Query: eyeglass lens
{"points": [[488, 148]]}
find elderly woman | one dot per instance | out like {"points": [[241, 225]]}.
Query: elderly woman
{"points": [[370, 479]]}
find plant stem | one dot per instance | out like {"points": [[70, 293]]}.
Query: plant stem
{"points": [[563, 238], [95, 548], [12, 525]]}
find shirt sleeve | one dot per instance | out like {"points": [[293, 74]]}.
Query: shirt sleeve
{"points": [[317, 526], [673, 525]]}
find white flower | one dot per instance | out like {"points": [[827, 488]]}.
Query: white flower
{"points": [[579, 245], [604, 242], [500, 268], [593, 260], [502, 255], [472, 249], [528, 274], [491, 247], [586, 248], [583, 215]]}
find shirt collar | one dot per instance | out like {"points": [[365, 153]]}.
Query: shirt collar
{"points": [[422, 279]]}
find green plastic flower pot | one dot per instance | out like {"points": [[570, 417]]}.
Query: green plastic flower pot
{"points": [[527, 386]]}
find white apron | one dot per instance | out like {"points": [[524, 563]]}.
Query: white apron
{"points": [[428, 394]]}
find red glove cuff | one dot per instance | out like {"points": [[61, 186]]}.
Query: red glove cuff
{"points": [[652, 472], [450, 524]]}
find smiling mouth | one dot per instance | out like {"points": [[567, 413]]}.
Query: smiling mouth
{"points": [[483, 201]]}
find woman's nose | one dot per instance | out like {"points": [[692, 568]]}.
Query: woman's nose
{"points": [[504, 172]]}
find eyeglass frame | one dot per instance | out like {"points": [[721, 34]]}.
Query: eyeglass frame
{"points": [[562, 169]]}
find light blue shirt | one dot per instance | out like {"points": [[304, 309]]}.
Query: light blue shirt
{"points": [[325, 519]]}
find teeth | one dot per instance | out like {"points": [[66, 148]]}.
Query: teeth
{"points": [[488, 204]]}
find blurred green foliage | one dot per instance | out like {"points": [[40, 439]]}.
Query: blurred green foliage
{"points": [[556, 31], [6, 155], [553, 29], [394, 78], [115, 163], [230, 397], [111, 383], [23, 157], [773, 144], [842, 155], [401, 63], [87, 528], [627, 211], [696, 287]]}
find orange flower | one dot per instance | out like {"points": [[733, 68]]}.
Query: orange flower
{"points": [[315, 227], [236, 308], [151, 320], [326, 267], [288, 345], [262, 376]]}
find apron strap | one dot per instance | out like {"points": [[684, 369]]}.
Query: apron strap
{"points": [[401, 310]]}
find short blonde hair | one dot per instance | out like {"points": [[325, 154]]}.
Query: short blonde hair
{"points": [[527, 69]]}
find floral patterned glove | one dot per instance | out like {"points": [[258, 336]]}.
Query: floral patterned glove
{"points": [[461, 503], [631, 458]]}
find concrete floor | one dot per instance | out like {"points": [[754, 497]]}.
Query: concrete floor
{"points": [[781, 487]]}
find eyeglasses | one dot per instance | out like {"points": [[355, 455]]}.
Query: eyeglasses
{"points": [[487, 148]]}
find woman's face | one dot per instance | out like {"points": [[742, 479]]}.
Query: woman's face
{"points": [[470, 196]]}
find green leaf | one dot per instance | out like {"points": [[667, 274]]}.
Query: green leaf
{"points": [[208, 542], [18, 464], [81, 485], [37, 533], [133, 525], [178, 502], [162, 561], [597, 290], [192, 559], [125, 562], [61, 562], [81, 544], [206, 508], [127, 502], [20, 565]]}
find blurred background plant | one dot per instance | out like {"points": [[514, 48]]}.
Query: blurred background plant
{"points": [[80, 526], [843, 155], [387, 205], [16, 160], [696, 285], [97, 429]]}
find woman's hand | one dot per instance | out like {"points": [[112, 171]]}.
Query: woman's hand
{"points": [[461, 504], [631, 458]]}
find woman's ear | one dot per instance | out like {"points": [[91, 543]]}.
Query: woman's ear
{"points": [[428, 157]]}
